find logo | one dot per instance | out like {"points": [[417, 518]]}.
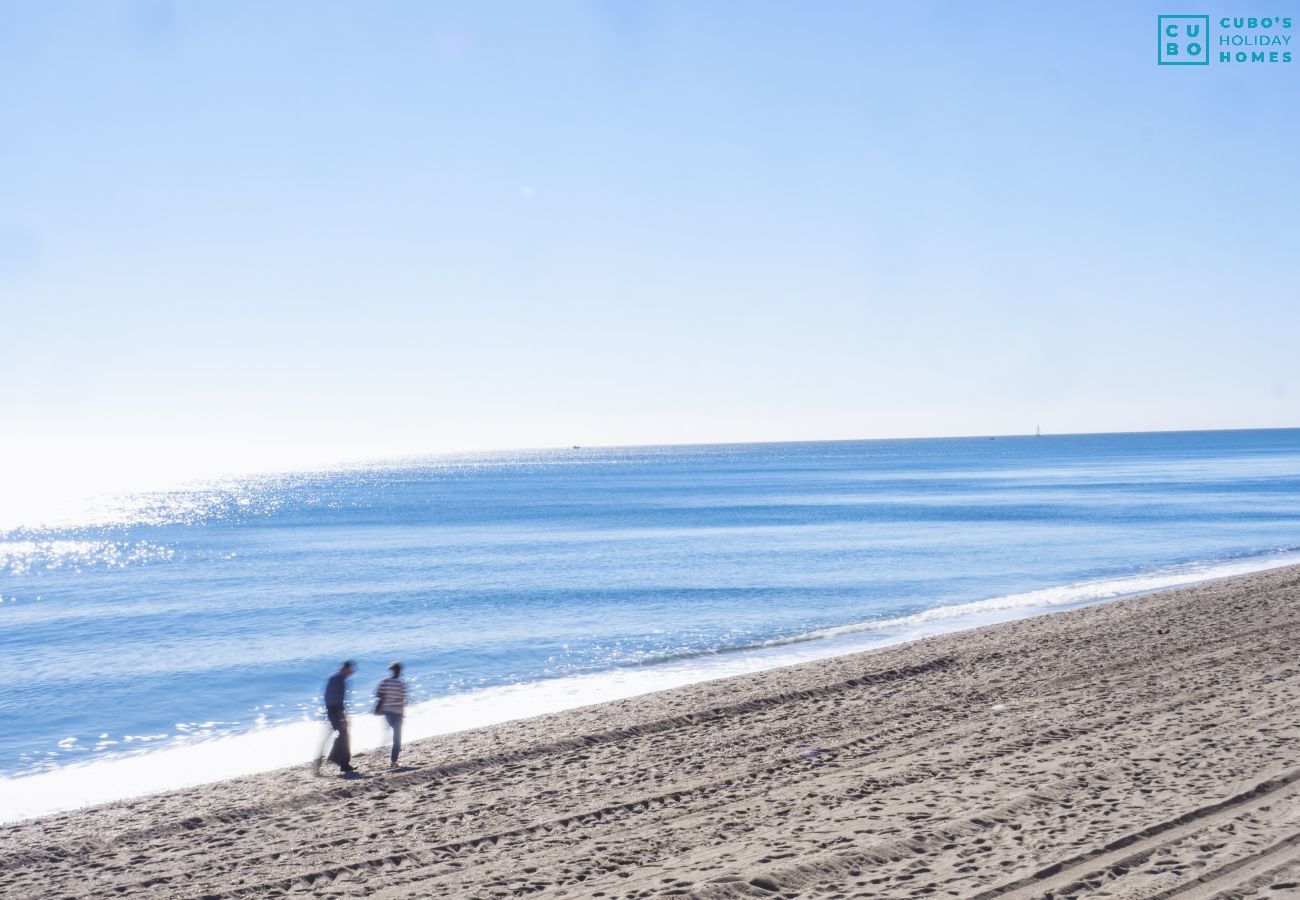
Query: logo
{"points": [[1183, 41], [1186, 40]]}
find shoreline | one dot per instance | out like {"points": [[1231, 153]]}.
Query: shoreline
{"points": [[1147, 745], [95, 782]]}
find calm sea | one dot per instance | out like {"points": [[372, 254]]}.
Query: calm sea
{"points": [[177, 637]]}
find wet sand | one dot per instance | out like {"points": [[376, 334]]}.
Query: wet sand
{"points": [[1147, 748]]}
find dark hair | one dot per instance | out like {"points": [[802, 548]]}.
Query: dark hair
{"points": [[348, 664], [395, 668]]}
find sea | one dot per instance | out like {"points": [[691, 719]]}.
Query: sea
{"points": [[161, 639]]}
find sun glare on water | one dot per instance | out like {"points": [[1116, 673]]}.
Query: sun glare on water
{"points": [[69, 486]]}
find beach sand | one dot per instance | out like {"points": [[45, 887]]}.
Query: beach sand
{"points": [[1142, 748]]}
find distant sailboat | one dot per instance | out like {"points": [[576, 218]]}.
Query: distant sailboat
{"points": [[1038, 431]]}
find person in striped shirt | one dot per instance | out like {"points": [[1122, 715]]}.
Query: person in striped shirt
{"points": [[392, 706]]}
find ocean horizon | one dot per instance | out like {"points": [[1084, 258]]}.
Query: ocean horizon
{"points": [[174, 637]]}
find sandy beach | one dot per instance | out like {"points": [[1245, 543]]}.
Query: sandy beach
{"points": [[1143, 748]]}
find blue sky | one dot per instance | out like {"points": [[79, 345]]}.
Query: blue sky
{"points": [[246, 232]]}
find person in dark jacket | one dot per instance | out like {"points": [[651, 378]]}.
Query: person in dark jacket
{"points": [[336, 695]]}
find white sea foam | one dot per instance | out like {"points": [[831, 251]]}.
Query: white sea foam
{"points": [[199, 761]]}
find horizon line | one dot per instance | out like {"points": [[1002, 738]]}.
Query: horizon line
{"points": [[400, 457]]}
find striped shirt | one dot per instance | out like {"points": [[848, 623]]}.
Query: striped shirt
{"points": [[392, 696]]}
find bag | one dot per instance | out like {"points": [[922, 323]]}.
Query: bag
{"points": [[378, 705], [341, 752]]}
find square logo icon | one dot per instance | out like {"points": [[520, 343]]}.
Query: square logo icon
{"points": [[1183, 41]]}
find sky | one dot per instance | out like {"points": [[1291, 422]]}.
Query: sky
{"points": [[245, 234]]}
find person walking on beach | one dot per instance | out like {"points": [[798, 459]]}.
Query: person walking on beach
{"points": [[392, 706], [336, 691]]}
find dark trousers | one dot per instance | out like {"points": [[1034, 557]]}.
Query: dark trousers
{"points": [[341, 752], [395, 723]]}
